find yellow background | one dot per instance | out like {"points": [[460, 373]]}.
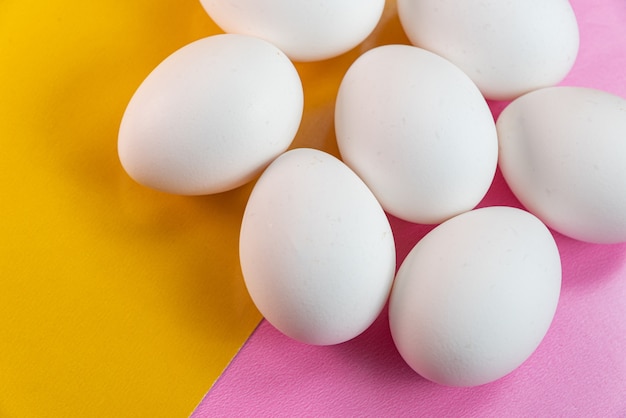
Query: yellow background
{"points": [[115, 300]]}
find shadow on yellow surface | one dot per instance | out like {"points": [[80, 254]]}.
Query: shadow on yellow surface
{"points": [[116, 300]]}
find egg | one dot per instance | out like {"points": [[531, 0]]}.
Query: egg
{"points": [[418, 131], [507, 47], [211, 116], [316, 249], [563, 154], [304, 30], [475, 297]]}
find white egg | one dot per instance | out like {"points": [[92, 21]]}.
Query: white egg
{"points": [[305, 30], [417, 131], [563, 154], [507, 47], [316, 249], [211, 116], [476, 296]]}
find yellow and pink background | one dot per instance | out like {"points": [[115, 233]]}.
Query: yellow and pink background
{"points": [[120, 301]]}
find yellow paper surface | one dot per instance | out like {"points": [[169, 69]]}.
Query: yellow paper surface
{"points": [[115, 300]]}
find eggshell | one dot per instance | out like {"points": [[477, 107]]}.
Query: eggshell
{"points": [[317, 252], [563, 154], [211, 116], [475, 297], [507, 47], [304, 30], [417, 131]]}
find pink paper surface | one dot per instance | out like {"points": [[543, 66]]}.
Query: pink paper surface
{"points": [[578, 370]]}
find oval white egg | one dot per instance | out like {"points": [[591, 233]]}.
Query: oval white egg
{"points": [[211, 116], [475, 297], [507, 47], [563, 154], [417, 131], [316, 249], [304, 30]]}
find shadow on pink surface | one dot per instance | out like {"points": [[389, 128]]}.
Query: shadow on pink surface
{"points": [[578, 370]]}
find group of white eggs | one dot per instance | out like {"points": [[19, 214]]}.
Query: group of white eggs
{"points": [[477, 294]]}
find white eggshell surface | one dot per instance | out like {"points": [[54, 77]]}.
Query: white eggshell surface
{"points": [[317, 252], [563, 154], [418, 132], [305, 30], [475, 297], [211, 116], [508, 47]]}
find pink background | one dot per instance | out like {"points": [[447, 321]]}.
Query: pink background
{"points": [[578, 370]]}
